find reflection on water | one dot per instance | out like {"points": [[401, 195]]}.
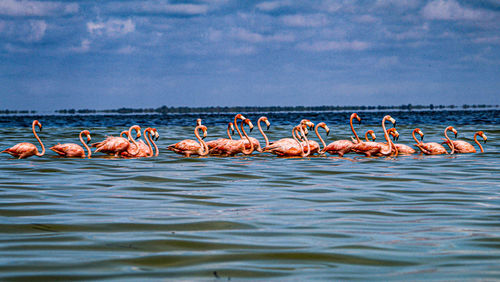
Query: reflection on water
{"points": [[431, 217]]}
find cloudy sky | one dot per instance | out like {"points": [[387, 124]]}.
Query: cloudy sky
{"points": [[135, 53]]}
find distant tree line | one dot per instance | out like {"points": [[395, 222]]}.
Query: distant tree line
{"points": [[8, 112], [246, 109]]}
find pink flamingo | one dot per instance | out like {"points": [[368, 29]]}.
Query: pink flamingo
{"points": [[145, 149], [401, 148], [214, 143], [376, 148], [254, 141], [463, 147], [315, 148], [71, 150], [305, 123], [190, 147], [432, 148], [233, 147], [25, 150], [368, 134], [342, 147], [286, 149], [116, 145]]}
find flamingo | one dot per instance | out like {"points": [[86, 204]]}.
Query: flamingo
{"points": [[376, 148], [463, 147], [254, 141], [432, 148], [71, 150], [342, 147], [315, 148], [145, 150], [367, 137], [116, 145], [214, 143], [286, 149], [401, 148], [25, 150], [305, 123], [233, 147], [190, 147]]}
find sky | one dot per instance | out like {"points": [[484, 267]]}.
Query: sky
{"points": [[150, 53]]}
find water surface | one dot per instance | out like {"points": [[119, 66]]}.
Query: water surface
{"points": [[250, 217]]}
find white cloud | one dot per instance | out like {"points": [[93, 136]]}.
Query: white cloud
{"points": [[36, 8], [245, 35], [272, 5], [305, 20], [112, 28], [488, 40], [126, 50], [244, 50], [400, 4], [451, 10], [84, 47], [25, 31], [413, 32], [158, 7], [335, 46]]}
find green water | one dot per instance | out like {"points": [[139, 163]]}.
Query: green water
{"points": [[249, 217]]}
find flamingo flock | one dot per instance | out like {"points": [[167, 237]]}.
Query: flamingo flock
{"points": [[299, 145]]}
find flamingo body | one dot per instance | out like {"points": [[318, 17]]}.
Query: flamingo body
{"points": [[112, 145], [339, 147], [22, 150], [405, 149], [432, 148], [69, 150], [186, 147]]}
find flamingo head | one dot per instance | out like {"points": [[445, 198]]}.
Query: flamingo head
{"points": [[417, 130], [204, 129], [452, 130], [137, 129], [240, 116], [372, 134], [480, 133], [322, 124], [268, 124], [307, 123], [87, 133], [304, 129], [355, 116], [391, 119], [231, 127], [156, 134], [37, 123], [249, 123], [394, 133], [198, 121]]}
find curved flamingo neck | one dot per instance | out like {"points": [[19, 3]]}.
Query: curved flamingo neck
{"points": [[303, 154], [262, 131], [319, 136], [294, 135], [354, 131], [413, 134], [452, 147], [244, 151], [477, 142], [203, 145], [85, 144], [386, 135], [366, 136], [157, 152], [39, 141], [229, 132], [133, 140], [147, 137], [236, 126]]}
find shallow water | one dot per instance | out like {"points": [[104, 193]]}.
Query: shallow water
{"points": [[248, 217]]}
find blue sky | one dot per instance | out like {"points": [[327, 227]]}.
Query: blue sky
{"points": [[110, 54]]}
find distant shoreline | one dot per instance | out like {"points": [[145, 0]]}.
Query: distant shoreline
{"points": [[255, 109]]}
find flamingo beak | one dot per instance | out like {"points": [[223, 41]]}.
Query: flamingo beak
{"points": [[268, 126], [327, 132], [251, 128], [397, 138], [88, 139], [422, 137], [456, 134]]}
